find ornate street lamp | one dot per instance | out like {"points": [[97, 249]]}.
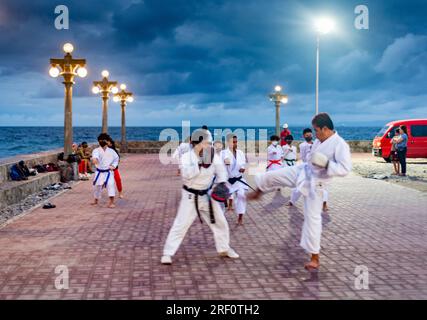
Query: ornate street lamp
{"points": [[124, 97], [105, 87], [278, 97], [68, 68]]}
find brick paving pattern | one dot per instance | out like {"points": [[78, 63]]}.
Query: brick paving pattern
{"points": [[114, 254]]}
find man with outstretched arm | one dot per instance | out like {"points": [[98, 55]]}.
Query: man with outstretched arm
{"points": [[330, 156]]}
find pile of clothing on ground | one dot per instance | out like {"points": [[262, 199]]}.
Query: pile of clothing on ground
{"points": [[20, 170]]}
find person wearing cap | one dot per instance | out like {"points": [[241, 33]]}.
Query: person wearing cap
{"points": [[285, 132]]}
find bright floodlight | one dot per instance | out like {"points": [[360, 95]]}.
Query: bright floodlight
{"points": [[116, 99], [114, 90], [123, 86], [129, 99], [95, 90], [105, 73], [68, 48], [284, 100], [54, 72], [324, 25], [277, 88], [82, 72]]}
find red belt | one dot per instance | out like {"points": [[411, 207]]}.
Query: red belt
{"points": [[273, 162]]}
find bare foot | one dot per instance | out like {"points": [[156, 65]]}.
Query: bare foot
{"points": [[325, 207], [240, 220], [314, 263], [111, 205], [94, 203], [121, 195]]}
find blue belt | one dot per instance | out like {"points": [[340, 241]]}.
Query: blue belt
{"points": [[104, 185]]}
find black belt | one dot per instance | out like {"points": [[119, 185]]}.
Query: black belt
{"points": [[234, 180], [292, 162], [198, 193]]}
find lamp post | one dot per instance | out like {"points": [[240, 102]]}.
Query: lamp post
{"points": [[278, 97], [124, 97], [105, 87], [68, 68], [322, 26]]}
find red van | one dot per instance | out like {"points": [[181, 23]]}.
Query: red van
{"points": [[417, 139]]}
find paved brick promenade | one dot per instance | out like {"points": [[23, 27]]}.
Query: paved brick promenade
{"points": [[114, 254]]}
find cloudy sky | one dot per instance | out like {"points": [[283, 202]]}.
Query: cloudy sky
{"points": [[214, 62]]}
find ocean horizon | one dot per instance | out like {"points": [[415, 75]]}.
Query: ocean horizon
{"points": [[15, 141]]}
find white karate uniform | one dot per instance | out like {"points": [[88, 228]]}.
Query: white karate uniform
{"points": [[106, 158], [200, 179], [274, 153], [310, 180], [182, 148], [305, 150], [238, 188], [289, 155]]}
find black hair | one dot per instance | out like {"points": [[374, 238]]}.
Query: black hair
{"points": [[205, 127], [322, 120], [198, 136], [289, 138], [230, 136], [404, 129], [307, 130], [104, 136], [274, 138]]}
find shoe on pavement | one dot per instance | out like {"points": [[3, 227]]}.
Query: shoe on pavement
{"points": [[230, 254], [166, 260]]}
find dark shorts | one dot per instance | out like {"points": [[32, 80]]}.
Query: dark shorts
{"points": [[394, 156]]}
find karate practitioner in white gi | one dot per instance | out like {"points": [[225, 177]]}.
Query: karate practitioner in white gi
{"points": [[235, 161], [105, 161], [184, 147], [198, 170], [289, 152], [330, 156], [274, 154], [305, 149]]}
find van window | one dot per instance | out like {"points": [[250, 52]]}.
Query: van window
{"points": [[419, 130], [382, 131], [393, 132]]}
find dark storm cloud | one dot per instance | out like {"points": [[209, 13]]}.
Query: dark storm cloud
{"points": [[229, 53]]}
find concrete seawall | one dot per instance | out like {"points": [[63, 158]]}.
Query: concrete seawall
{"points": [[12, 192]]}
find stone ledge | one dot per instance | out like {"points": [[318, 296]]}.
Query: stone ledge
{"points": [[30, 160], [12, 192]]}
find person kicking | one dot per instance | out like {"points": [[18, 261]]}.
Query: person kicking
{"points": [[198, 168], [235, 161], [305, 149], [106, 161], [330, 156]]}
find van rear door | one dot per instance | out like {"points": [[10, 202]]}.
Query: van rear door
{"points": [[417, 141]]}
